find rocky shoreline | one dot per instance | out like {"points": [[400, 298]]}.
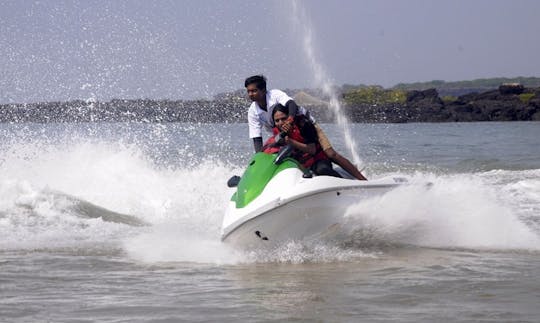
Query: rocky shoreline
{"points": [[510, 102]]}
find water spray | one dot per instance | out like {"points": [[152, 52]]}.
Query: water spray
{"points": [[322, 80]]}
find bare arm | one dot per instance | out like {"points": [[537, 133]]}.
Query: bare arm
{"points": [[307, 148]]}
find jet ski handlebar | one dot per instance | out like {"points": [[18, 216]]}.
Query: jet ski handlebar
{"points": [[284, 152]]}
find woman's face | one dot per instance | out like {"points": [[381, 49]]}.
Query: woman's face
{"points": [[279, 119]]}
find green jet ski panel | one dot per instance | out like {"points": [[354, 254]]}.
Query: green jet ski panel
{"points": [[260, 171]]}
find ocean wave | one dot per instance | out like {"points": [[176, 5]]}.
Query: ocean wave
{"points": [[79, 194]]}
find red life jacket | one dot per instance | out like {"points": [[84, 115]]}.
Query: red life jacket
{"points": [[270, 147]]}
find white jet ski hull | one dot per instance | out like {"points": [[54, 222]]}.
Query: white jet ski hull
{"points": [[293, 208]]}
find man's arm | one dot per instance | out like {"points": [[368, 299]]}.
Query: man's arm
{"points": [[257, 144], [293, 108], [255, 129]]}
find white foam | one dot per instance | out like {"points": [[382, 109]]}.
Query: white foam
{"points": [[297, 252], [457, 211], [31, 218], [175, 242], [111, 175], [185, 206]]}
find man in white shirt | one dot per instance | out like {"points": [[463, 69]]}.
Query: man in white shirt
{"points": [[260, 115]]}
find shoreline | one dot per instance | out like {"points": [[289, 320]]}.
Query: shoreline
{"points": [[507, 103]]}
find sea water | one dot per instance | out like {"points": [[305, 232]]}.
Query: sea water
{"points": [[120, 222]]}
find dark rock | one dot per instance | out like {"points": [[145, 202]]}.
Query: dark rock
{"points": [[429, 95], [511, 88]]}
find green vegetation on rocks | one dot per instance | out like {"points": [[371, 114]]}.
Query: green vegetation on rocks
{"points": [[473, 84], [374, 95], [449, 98], [526, 97]]}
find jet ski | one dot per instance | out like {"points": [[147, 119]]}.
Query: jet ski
{"points": [[277, 200]]}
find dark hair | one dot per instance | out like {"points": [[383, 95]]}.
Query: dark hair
{"points": [[281, 108], [259, 80]]}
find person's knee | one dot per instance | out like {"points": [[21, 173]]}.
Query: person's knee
{"points": [[331, 153], [324, 167]]}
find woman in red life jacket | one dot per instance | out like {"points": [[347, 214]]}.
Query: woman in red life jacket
{"points": [[302, 136]]}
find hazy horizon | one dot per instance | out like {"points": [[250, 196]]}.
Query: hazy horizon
{"points": [[67, 50]]}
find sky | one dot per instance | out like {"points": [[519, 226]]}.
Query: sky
{"points": [[172, 49]]}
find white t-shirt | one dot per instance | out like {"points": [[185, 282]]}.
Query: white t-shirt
{"points": [[258, 118]]}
